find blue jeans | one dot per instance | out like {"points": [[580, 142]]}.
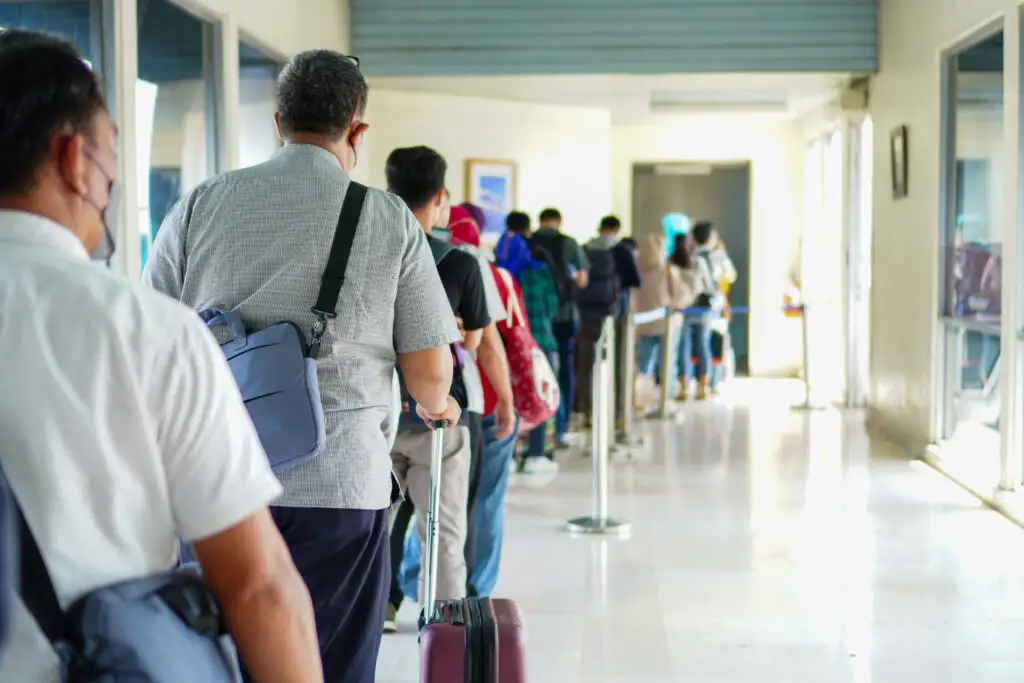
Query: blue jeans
{"points": [[695, 340], [648, 354], [565, 334], [488, 520]]}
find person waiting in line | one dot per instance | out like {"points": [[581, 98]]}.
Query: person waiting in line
{"points": [[570, 268], [493, 445], [257, 241], [666, 284], [123, 429], [540, 296], [614, 274], [417, 176], [709, 258]]}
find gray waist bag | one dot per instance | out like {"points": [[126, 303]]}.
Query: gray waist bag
{"points": [[165, 628], [275, 367]]}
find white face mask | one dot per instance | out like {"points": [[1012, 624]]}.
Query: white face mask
{"points": [[110, 215]]}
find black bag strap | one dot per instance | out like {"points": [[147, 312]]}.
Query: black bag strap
{"points": [[326, 307], [34, 583]]}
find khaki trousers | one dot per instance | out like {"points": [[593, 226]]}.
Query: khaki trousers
{"points": [[410, 457]]}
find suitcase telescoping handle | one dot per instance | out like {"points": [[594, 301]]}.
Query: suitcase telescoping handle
{"points": [[430, 547]]}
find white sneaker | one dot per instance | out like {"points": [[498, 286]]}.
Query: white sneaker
{"points": [[539, 465]]}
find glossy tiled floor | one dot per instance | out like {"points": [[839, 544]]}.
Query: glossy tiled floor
{"points": [[769, 546]]}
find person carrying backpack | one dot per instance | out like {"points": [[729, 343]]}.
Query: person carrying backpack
{"points": [[540, 297], [613, 273], [569, 267], [713, 264], [417, 175]]}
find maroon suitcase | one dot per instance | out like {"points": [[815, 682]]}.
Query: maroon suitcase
{"points": [[468, 640]]}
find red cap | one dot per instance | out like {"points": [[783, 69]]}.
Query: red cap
{"points": [[463, 228]]}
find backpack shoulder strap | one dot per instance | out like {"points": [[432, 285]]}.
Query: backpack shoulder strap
{"points": [[439, 249], [34, 583], [326, 306]]}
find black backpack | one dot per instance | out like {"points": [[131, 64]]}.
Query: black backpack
{"points": [[550, 250], [601, 296]]}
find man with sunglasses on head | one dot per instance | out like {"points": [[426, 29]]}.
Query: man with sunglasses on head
{"points": [[122, 428], [256, 241]]}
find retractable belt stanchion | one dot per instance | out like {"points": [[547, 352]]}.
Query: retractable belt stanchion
{"points": [[603, 407], [805, 357], [627, 387], [668, 343]]}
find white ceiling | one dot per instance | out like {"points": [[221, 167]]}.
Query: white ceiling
{"points": [[628, 97]]}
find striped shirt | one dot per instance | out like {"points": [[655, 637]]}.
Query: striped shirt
{"points": [[256, 241]]}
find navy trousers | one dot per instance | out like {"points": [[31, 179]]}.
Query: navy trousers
{"points": [[344, 558]]}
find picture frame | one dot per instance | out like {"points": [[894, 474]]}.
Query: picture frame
{"points": [[899, 150], [491, 184]]}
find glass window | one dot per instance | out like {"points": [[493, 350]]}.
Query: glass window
{"points": [[974, 234], [973, 149], [176, 109], [258, 83], [79, 21]]}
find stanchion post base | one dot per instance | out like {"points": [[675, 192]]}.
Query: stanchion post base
{"points": [[595, 526]]}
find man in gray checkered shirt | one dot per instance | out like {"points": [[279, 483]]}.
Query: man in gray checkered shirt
{"points": [[256, 241]]}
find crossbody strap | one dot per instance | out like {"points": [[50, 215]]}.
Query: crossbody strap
{"points": [[326, 307], [34, 583]]}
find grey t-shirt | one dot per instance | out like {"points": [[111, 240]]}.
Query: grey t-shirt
{"points": [[256, 241]]}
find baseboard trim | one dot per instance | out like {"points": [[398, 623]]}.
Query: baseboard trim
{"points": [[1006, 503]]}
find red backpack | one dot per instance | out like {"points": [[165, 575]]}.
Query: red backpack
{"points": [[534, 385]]}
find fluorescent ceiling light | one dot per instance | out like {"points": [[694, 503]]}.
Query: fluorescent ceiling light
{"points": [[682, 169], [719, 108]]}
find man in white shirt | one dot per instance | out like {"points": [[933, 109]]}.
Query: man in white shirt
{"points": [[122, 426]]}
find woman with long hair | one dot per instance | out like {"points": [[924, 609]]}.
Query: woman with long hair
{"points": [[665, 285]]}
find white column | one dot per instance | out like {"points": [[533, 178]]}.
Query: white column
{"points": [[1011, 425], [228, 109], [121, 24]]}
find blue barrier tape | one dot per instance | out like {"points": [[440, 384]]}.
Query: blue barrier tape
{"points": [[659, 313]]}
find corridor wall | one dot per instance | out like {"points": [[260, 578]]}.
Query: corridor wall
{"points": [[281, 28], [774, 149], [563, 154], [905, 302]]}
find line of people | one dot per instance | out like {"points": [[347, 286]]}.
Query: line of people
{"points": [[694, 278], [124, 430]]}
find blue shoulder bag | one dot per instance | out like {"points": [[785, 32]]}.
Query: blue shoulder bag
{"points": [[164, 628], [275, 367]]}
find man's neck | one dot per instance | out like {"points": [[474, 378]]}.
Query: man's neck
{"points": [[425, 219], [43, 204]]}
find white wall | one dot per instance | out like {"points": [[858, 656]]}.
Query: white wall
{"points": [[283, 29], [179, 132], [563, 153], [775, 152], [905, 297]]}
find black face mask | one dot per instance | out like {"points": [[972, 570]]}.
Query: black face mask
{"points": [[109, 214]]}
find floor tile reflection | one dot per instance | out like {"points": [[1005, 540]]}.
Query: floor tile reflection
{"points": [[769, 545]]}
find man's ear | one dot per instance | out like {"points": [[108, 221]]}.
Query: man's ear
{"points": [[355, 136], [277, 123], [73, 162], [439, 198]]}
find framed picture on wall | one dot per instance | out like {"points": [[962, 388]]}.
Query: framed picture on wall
{"points": [[899, 149], [491, 185]]}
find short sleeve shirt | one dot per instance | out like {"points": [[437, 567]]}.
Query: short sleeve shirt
{"points": [[256, 241], [122, 426], [464, 285]]}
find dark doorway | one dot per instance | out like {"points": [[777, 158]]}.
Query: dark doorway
{"points": [[719, 193]]}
